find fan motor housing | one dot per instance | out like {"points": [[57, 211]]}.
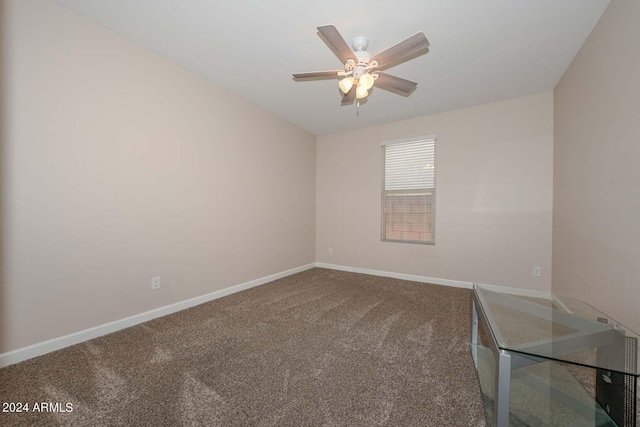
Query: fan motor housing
{"points": [[360, 45]]}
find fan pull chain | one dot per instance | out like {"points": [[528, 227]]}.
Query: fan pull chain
{"points": [[357, 108]]}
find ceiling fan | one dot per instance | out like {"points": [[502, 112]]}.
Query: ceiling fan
{"points": [[361, 70]]}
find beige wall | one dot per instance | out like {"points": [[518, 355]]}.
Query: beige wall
{"points": [[596, 221], [119, 165], [494, 195]]}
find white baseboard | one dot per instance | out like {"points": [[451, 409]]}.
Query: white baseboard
{"points": [[434, 280], [24, 353], [402, 276]]}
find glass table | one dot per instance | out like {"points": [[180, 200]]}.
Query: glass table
{"points": [[546, 360]]}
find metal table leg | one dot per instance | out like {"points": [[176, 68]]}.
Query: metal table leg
{"points": [[474, 334], [503, 392]]}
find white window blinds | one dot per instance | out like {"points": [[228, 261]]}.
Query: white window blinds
{"points": [[409, 165], [408, 191]]}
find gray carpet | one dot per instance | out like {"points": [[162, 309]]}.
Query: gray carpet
{"points": [[319, 348]]}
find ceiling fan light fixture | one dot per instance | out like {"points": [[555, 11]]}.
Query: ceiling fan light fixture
{"points": [[362, 70], [361, 92], [366, 81], [346, 84]]}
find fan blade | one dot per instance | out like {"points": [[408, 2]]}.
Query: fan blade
{"points": [[337, 44], [316, 75], [395, 84], [347, 98], [413, 46]]}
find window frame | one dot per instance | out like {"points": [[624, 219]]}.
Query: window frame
{"points": [[384, 192]]}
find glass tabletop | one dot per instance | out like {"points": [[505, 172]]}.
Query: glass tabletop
{"points": [[544, 325]]}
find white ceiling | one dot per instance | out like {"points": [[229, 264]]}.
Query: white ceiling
{"points": [[481, 50]]}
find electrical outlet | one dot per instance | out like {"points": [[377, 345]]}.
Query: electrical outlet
{"points": [[155, 283], [330, 251], [536, 271]]}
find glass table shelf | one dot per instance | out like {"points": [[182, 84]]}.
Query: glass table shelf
{"points": [[545, 360]]}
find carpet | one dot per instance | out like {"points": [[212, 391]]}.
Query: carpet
{"points": [[318, 348]]}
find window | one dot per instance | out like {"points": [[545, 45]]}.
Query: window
{"points": [[409, 190]]}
